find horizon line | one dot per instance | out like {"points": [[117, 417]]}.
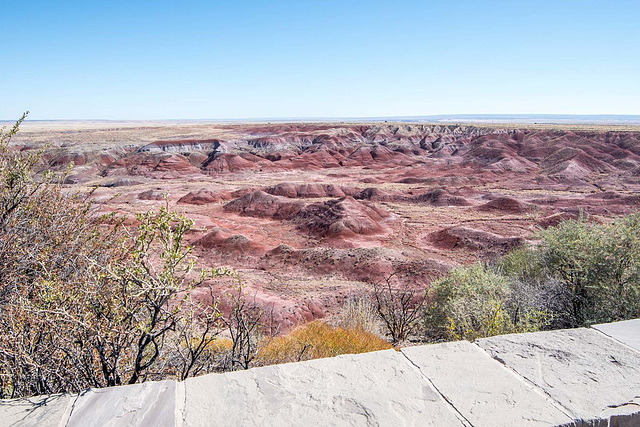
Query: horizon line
{"points": [[435, 117]]}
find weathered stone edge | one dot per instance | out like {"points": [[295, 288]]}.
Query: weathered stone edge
{"points": [[180, 394]]}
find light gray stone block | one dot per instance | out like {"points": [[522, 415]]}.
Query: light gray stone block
{"points": [[146, 404], [44, 411], [590, 374], [627, 332], [380, 388], [482, 389], [627, 415]]}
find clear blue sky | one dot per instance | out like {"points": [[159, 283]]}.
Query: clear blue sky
{"points": [[303, 58]]}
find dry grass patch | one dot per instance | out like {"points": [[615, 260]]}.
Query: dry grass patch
{"points": [[317, 340]]}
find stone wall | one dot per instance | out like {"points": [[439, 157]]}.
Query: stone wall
{"points": [[568, 377]]}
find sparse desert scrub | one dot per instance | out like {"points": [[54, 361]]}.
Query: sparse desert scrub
{"points": [[118, 320], [244, 325], [316, 340], [359, 312], [85, 301]]}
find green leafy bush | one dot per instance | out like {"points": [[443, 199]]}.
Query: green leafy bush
{"points": [[476, 301], [579, 273], [597, 268]]}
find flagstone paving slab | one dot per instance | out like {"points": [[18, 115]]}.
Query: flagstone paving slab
{"points": [[380, 388], [146, 404], [591, 375], [45, 411], [482, 389], [627, 332]]}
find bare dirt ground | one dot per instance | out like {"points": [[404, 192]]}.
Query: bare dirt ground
{"points": [[310, 213]]}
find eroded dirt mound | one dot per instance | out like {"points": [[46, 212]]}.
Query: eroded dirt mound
{"points": [[458, 237], [555, 219], [345, 217], [151, 195], [228, 162], [120, 182], [263, 205], [293, 191], [377, 195], [204, 196], [441, 197], [153, 165], [230, 245], [370, 265], [505, 204]]}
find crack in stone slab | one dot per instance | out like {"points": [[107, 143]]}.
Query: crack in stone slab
{"points": [[451, 405]]}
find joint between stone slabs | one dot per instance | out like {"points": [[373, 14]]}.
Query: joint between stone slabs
{"points": [[459, 414], [532, 386], [615, 339], [180, 404], [66, 417]]}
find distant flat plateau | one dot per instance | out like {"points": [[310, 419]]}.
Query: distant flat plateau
{"points": [[580, 122]]}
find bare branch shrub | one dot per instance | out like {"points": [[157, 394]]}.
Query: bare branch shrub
{"points": [[399, 306], [194, 348], [244, 326]]}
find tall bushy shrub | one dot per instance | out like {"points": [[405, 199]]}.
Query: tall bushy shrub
{"points": [[597, 266], [473, 302], [579, 273]]}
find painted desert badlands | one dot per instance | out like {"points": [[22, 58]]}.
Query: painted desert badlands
{"points": [[311, 213]]}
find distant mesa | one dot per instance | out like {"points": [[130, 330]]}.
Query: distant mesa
{"points": [[467, 154]]}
